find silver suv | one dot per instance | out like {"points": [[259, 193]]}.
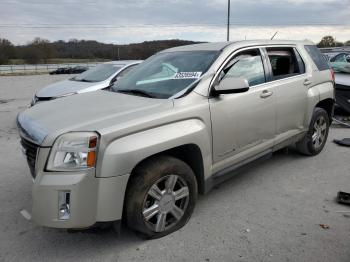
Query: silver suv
{"points": [[182, 121]]}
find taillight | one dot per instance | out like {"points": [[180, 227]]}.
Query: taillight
{"points": [[333, 76]]}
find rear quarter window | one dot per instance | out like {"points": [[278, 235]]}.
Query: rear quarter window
{"points": [[317, 57]]}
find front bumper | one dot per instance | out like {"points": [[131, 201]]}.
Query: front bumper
{"points": [[92, 199]]}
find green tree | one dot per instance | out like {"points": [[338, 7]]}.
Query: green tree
{"points": [[7, 51], [39, 50], [338, 44], [347, 43], [327, 41]]}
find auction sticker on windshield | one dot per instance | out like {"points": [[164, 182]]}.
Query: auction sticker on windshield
{"points": [[187, 75]]}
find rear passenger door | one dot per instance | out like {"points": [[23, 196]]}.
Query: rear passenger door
{"points": [[287, 75]]}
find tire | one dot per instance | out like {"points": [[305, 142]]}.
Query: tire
{"points": [[160, 197], [316, 137]]}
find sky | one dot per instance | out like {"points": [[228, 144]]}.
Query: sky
{"points": [[131, 21]]}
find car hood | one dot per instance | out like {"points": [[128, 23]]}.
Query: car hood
{"points": [[67, 87], [96, 111]]}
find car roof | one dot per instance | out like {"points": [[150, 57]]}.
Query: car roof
{"points": [[218, 46], [124, 62]]}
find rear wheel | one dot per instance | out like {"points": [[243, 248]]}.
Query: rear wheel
{"points": [[316, 137], [161, 197]]}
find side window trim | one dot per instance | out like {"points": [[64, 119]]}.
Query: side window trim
{"points": [[267, 65], [301, 63]]}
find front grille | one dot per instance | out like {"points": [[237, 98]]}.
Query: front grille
{"points": [[30, 150]]}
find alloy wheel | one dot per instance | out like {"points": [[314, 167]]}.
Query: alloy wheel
{"points": [[320, 132], [165, 203]]}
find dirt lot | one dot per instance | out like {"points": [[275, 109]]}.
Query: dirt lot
{"points": [[272, 212]]}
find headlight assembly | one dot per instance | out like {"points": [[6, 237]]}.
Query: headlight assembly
{"points": [[73, 151]]}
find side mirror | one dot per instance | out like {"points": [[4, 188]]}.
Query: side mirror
{"points": [[232, 85]]}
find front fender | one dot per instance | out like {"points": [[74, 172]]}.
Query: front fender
{"points": [[123, 154]]}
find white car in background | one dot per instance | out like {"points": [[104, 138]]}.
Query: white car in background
{"points": [[96, 78]]}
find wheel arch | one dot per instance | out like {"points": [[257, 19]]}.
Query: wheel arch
{"points": [[190, 154], [328, 105]]}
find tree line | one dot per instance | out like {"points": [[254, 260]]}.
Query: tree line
{"points": [[41, 50]]}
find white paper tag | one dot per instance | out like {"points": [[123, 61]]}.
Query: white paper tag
{"points": [[187, 75]]}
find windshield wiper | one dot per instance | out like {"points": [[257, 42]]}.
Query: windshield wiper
{"points": [[135, 92]]}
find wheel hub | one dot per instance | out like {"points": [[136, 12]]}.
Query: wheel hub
{"points": [[319, 134], [166, 203]]}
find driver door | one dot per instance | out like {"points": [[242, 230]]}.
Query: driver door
{"points": [[243, 124]]}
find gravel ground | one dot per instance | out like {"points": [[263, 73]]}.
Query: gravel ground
{"points": [[271, 212]]}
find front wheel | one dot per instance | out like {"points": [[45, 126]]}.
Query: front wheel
{"points": [[161, 197], [316, 137]]}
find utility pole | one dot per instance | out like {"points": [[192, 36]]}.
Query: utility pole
{"points": [[228, 19]]}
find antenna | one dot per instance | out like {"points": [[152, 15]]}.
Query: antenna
{"points": [[274, 35]]}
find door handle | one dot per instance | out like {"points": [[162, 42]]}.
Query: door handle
{"points": [[307, 82], [266, 93]]}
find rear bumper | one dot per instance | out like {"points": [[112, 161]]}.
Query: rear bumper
{"points": [[92, 199]]}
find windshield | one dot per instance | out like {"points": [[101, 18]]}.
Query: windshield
{"points": [[165, 74], [98, 73]]}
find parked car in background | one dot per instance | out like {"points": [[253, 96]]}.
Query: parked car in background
{"points": [[60, 71], [69, 70], [97, 78], [342, 91], [329, 56], [78, 69], [182, 121], [341, 63]]}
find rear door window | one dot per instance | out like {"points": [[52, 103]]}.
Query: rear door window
{"points": [[317, 57], [285, 62]]}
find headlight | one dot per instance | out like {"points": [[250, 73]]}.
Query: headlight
{"points": [[73, 151]]}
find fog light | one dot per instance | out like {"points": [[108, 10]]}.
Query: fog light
{"points": [[63, 205]]}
